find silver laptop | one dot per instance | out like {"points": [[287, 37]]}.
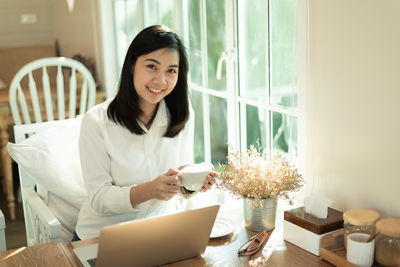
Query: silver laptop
{"points": [[152, 241]]}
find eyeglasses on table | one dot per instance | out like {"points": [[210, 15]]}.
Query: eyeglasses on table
{"points": [[254, 244]]}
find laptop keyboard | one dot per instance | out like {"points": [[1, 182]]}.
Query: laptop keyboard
{"points": [[92, 262]]}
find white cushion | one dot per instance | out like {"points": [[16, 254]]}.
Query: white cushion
{"points": [[51, 157]]}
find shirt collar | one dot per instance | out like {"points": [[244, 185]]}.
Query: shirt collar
{"points": [[161, 118], [162, 115]]}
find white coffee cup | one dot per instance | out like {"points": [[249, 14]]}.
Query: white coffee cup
{"points": [[192, 176], [358, 251]]}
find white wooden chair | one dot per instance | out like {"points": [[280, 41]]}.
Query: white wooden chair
{"points": [[80, 79], [40, 224], [60, 84]]}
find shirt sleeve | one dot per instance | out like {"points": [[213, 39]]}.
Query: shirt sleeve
{"points": [[105, 198]]}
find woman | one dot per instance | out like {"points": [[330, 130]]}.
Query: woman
{"points": [[130, 145]]}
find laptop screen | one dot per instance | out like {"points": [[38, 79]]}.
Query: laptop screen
{"points": [[155, 241]]}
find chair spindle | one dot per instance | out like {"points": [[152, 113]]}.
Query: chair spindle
{"points": [[72, 93], [60, 93], [47, 94], [34, 98]]}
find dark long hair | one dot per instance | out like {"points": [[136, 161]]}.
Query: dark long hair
{"points": [[124, 108]]}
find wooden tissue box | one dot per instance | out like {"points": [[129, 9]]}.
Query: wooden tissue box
{"points": [[306, 231]]}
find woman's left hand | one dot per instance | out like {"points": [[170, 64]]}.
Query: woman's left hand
{"points": [[210, 181]]}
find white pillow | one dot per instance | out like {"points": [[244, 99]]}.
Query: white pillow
{"points": [[51, 157]]}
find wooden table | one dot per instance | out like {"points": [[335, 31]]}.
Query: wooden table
{"points": [[219, 252]]}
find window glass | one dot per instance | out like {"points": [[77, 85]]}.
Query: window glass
{"points": [[194, 46], [283, 52], [255, 126], [253, 37], [151, 12], [197, 104], [265, 36], [125, 23], [158, 12], [166, 13], [218, 129], [284, 133], [215, 42]]}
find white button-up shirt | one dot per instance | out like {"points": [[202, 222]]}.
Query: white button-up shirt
{"points": [[113, 160]]}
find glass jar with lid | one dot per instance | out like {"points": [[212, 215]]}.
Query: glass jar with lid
{"points": [[387, 243], [359, 220]]}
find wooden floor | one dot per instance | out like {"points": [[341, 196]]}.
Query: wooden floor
{"points": [[15, 230]]}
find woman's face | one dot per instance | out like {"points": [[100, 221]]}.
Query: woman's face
{"points": [[155, 76]]}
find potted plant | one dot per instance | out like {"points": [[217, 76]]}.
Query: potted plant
{"points": [[259, 182]]}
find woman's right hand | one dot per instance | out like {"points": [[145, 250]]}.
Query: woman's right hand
{"points": [[165, 186]]}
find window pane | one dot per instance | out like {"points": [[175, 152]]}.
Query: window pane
{"points": [[215, 42], [284, 133], [125, 26], [194, 49], [255, 126], [253, 49], [151, 13], [197, 104], [166, 7], [283, 52], [158, 12], [218, 129]]}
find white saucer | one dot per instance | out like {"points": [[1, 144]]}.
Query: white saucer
{"points": [[222, 227]]}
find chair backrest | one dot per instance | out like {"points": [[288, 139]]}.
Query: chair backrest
{"points": [[68, 73]]}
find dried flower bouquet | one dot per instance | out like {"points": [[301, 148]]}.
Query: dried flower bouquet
{"points": [[251, 175]]}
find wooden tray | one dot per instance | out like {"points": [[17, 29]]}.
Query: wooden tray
{"points": [[332, 250]]}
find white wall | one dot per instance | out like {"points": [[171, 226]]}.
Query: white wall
{"points": [[76, 31], [352, 110], [14, 33]]}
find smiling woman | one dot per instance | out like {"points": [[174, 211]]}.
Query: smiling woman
{"points": [[155, 76], [243, 69], [131, 146], [154, 55]]}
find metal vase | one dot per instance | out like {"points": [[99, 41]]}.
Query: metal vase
{"points": [[259, 214]]}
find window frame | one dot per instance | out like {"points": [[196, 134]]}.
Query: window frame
{"points": [[236, 104]]}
